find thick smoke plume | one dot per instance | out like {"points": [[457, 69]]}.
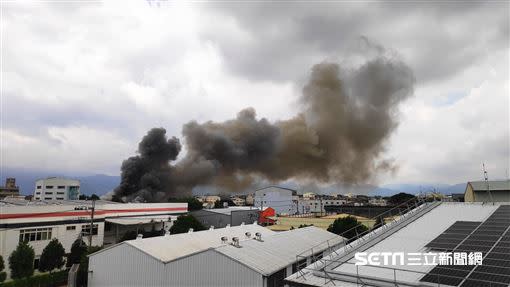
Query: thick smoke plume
{"points": [[339, 135]]}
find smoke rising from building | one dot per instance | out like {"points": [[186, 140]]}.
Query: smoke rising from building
{"points": [[339, 135]]}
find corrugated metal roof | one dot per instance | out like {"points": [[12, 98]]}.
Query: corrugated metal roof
{"points": [[140, 219], [494, 185], [280, 250], [172, 247], [231, 209]]}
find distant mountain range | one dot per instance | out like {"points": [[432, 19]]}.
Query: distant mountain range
{"points": [[101, 184]]}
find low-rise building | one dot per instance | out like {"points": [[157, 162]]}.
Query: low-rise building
{"points": [[246, 255], [55, 188], [37, 222], [276, 197], [317, 205], [221, 217], [491, 191], [377, 201], [238, 201], [10, 188]]}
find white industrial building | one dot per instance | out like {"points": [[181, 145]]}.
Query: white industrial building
{"points": [[431, 228], [232, 215], [306, 205], [278, 198], [246, 255], [55, 188], [37, 222]]}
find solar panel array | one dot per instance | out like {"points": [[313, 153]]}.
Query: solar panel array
{"points": [[492, 238], [495, 271], [451, 237]]}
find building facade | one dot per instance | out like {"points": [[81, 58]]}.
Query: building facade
{"points": [[37, 222], [317, 206], [221, 217], [278, 198], [491, 191], [54, 188], [10, 188]]}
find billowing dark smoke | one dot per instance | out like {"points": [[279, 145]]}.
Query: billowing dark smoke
{"points": [[339, 136]]}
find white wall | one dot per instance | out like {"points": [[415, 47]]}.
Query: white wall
{"points": [[277, 198], [9, 239], [57, 193], [314, 205], [124, 265]]}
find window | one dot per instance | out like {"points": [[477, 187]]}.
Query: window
{"points": [[48, 192], [37, 197], [71, 227], [48, 198], [35, 234], [38, 187], [85, 229], [38, 192], [49, 186], [60, 192], [61, 187], [298, 265], [60, 198]]}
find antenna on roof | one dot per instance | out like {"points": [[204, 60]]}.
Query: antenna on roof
{"points": [[486, 176]]}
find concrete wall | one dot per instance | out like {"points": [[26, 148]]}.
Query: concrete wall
{"points": [[279, 199], [59, 191], [9, 239]]}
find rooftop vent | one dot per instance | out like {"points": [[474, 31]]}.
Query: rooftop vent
{"points": [[211, 228], [224, 240], [228, 226], [167, 233], [190, 230], [248, 234], [235, 242], [139, 236], [242, 223], [258, 236]]}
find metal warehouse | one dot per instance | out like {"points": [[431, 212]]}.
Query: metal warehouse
{"points": [[246, 255]]}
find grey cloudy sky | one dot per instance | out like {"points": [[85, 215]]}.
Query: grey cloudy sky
{"points": [[84, 81]]}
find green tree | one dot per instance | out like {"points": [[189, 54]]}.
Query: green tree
{"points": [[184, 223], [77, 250], [3, 275], [347, 227], [379, 221], [21, 261], [400, 198], [52, 256]]}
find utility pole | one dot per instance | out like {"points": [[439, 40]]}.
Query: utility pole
{"points": [[92, 221], [486, 176]]}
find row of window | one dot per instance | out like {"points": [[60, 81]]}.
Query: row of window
{"points": [[39, 234], [35, 234], [51, 187]]}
